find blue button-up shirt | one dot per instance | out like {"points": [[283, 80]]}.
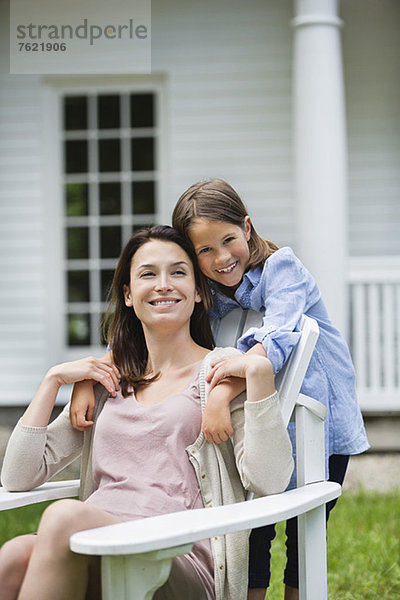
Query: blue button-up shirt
{"points": [[283, 290]]}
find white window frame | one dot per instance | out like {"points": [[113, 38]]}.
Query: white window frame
{"points": [[54, 90]]}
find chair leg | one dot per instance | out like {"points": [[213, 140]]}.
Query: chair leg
{"points": [[312, 555], [137, 576]]}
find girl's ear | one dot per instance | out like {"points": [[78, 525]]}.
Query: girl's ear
{"points": [[127, 295], [198, 297], [247, 227]]}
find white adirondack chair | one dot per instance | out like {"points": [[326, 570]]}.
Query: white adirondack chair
{"points": [[137, 556]]}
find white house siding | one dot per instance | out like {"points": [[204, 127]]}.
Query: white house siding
{"points": [[22, 249], [371, 44], [229, 101]]}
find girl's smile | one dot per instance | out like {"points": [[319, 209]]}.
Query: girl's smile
{"points": [[228, 269], [222, 249]]}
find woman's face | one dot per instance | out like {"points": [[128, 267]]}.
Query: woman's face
{"points": [[162, 288]]}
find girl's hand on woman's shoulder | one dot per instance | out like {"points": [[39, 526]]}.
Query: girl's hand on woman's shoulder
{"points": [[83, 400], [241, 366], [255, 369], [97, 369]]}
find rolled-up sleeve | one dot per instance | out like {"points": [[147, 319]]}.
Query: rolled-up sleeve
{"points": [[284, 292]]}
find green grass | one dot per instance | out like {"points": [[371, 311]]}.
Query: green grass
{"points": [[363, 546], [20, 520], [363, 549]]}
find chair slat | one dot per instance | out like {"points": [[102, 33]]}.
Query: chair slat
{"points": [[289, 380], [165, 531], [228, 330], [48, 491]]}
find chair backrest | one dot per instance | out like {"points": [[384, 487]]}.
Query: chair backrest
{"points": [[289, 380]]}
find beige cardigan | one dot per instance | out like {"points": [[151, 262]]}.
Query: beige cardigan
{"points": [[258, 458]]}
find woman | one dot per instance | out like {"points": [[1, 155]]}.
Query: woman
{"points": [[146, 454]]}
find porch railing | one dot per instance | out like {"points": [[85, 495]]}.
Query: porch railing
{"points": [[374, 333]]}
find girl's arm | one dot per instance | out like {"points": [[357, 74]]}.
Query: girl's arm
{"points": [[286, 290], [217, 424], [82, 399], [260, 440], [255, 372]]}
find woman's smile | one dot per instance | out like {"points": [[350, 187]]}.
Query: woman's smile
{"points": [[162, 289], [164, 301]]}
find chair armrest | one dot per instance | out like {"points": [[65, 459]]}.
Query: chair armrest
{"points": [[177, 529], [48, 491]]}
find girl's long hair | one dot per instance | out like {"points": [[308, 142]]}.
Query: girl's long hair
{"points": [[122, 328], [216, 200]]}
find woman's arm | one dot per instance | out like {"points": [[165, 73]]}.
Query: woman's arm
{"points": [[216, 422], [39, 410], [36, 450]]}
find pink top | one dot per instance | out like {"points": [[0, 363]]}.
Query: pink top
{"points": [[140, 465]]}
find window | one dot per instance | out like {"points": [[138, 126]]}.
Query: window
{"points": [[110, 189]]}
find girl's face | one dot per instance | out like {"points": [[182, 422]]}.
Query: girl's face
{"points": [[222, 249], [162, 288]]}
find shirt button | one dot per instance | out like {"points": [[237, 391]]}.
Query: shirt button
{"points": [[193, 451], [203, 476], [221, 567]]}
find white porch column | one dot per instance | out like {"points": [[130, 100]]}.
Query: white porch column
{"points": [[320, 150]]}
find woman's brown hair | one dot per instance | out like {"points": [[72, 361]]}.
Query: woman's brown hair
{"points": [[122, 328], [216, 200]]}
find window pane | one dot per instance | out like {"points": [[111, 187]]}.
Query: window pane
{"points": [[110, 198], [110, 242], [106, 281], [78, 242], [79, 330], [108, 112], [75, 112], [142, 110], [109, 155], [76, 195], [142, 154], [143, 197], [78, 286], [76, 156], [102, 239]]}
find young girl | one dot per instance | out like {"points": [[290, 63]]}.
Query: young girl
{"points": [[245, 270], [137, 460]]}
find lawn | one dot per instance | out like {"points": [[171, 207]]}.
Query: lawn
{"points": [[363, 549], [363, 546]]}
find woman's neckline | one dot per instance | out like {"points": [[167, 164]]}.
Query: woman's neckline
{"points": [[187, 384]]}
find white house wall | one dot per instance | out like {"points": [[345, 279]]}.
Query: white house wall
{"points": [[22, 235], [229, 101], [371, 42]]}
